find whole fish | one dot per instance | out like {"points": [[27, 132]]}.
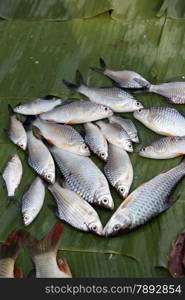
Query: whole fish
{"points": [[162, 120], [128, 126], [63, 136], [33, 201], [37, 106], [77, 112], [115, 98], [44, 252], [84, 177], [125, 78], [9, 251], [164, 148], [118, 170], [96, 141], [146, 202], [40, 158], [116, 135], [17, 133], [173, 91], [73, 209], [175, 257], [12, 174]]}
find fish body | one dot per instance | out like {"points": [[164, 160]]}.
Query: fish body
{"points": [[77, 112], [164, 148], [32, 201], [17, 133], [74, 210], [63, 136], [12, 174], [84, 177], [115, 98], [116, 135], [96, 140], [37, 106], [124, 78], [162, 120], [40, 158], [128, 126], [146, 202], [173, 91], [119, 170], [44, 252]]}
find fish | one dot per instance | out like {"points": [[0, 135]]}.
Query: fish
{"points": [[145, 202], [12, 174], [174, 92], [43, 253], [37, 106], [40, 159], [175, 257], [63, 136], [74, 210], [115, 98], [33, 201], [9, 251], [84, 177], [116, 135], [127, 125], [17, 133], [119, 170], [96, 140], [77, 112], [125, 78], [162, 120], [165, 148]]}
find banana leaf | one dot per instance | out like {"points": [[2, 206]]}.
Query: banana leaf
{"points": [[35, 57], [173, 8]]}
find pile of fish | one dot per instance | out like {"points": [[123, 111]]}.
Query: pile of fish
{"points": [[50, 141]]}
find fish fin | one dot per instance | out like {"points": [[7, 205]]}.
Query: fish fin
{"points": [[70, 85], [79, 79], [144, 85], [64, 267], [18, 273], [28, 122], [50, 243], [102, 68], [180, 154], [10, 110], [70, 122]]}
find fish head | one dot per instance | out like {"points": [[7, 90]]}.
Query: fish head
{"points": [[105, 111], [147, 151], [94, 225], [28, 216], [103, 155], [127, 145], [20, 109], [82, 149], [104, 199], [119, 222], [134, 137], [134, 105], [141, 114], [49, 175], [22, 143], [122, 188]]}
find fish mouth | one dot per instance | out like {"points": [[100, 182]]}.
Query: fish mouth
{"points": [[135, 140]]}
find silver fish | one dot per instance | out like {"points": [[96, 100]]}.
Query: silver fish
{"points": [[116, 135], [37, 106], [63, 136], [12, 174], [128, 126], [162, 120], [115, 98], [146, 202], [173, 91], [77, 112], [17, 133], [40, 158], [119, 170], [164, 148], [84, 177], [96, 141], [125, 78], [32, 201], [73, 209], [44, 255]]}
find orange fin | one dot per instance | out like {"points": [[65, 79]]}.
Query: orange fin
{"points": [[49, 141], [180, 154], [18, 273], [64, 267], [70, 122]]}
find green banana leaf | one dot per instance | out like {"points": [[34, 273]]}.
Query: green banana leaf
{"points": [[35, 57], [173, 8]]}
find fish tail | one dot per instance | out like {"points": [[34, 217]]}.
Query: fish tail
{"points": [[18, 273], [14, 242], [48, 244], [64, 267], [79, 79], [28, 122], [102, 67], [70, 85]]}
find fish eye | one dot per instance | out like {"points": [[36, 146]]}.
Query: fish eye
{"points": [[102, 154], [105, 201], [48, 176], [94, 228], [122, 189], [130, 146], [139, 110], [116, 227], [143, 149], [138, 103], [84, 147], [105, 108]]}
